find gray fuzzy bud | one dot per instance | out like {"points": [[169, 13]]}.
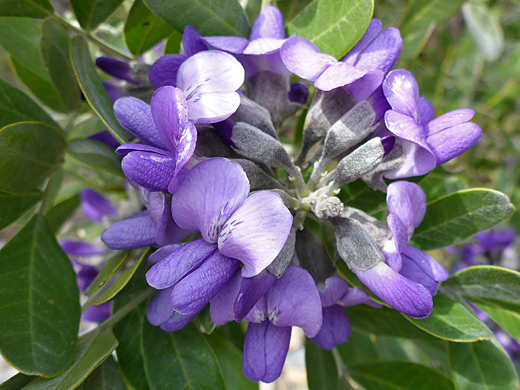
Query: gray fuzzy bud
{"points": [[254, 114], [393, 160], [258, 178], [376, 229], [282, 261], [211, 144], [313, 256], [354, 244]]}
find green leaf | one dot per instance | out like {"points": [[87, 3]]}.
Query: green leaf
{"points": [[151, 358], [55, 52], [96, 154], [360, 347], [39, 302], [16, 382], [92, 349], [290, 8], [12, 206], [483, 365], [119, 282], [143, 30], [90, 13], [105, 377], [109, 269], [399, 376], [489, 282], [61, 212], [322, 373], [362, 197], [452, 321], [419, 21], [508, 320], [29, 152], [485, 29], [457, 216], [173, 44], [16, 106], [230, 361], [212, 17], [334, 26], [37, 9], [94, 92]]}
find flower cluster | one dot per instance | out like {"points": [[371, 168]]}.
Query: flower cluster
{"points": [[228, 206]]}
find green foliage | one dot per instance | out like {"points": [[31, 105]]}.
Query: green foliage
{"points": [[90, 13], [12, 205], [37, 9], [95, 154], [322, 372], [334, 26]]}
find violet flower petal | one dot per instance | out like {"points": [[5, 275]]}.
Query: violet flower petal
{"points": [[192, 41], [95, 206], [125, 149], [408, 201], [251, 290], [164, 70], [160, 308], [337, 75], [210, 193], [149, 170], [412, 271], [177, 321], [426, 110], [162, 253], [263, 46], [402, 92], [335, 289], [268, 24], [445, 121], [221, 306], [235, 45], [370, 34], [427, 263], [335, 330], [138, 231], [454, 141], [382, 53], [213, 107], [97, 313], [81, 248], [183, 153], [256, 232], [117, 68], [355, 296], [159, 210]]}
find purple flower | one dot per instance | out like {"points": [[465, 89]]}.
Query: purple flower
{"points": [[95, 206], [116, 68], [236, 228], [370, 59], [426, 142], [409, 277], [293, 300]]}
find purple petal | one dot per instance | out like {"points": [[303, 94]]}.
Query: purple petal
{"points": [[335, 289], [213, 107], [454, 141], [210, 193], [426, 110], [160, 308], [355, 296], [370, 34], [179, 263], [106, 138], [124, 149], [192, 41], [337, 75], [294, 300], [251, 290], [164, 70], [221, 307], [304, 59], [265, 350], [183, 153], [382, 53], [450, 119], [177, 321], [401, 293], [113, 91], [427, 263], [80, 248], [335, 329], [118, 69], [418, 161], [95, 206], [159, 210], [413, 272], [85, 275], [138, 231], [268, 24], [97, 313], [378, 102], [400, 232], [235, 45], [256, 232], [149, 170], [162, 253], [299, 93], [402, 92], [170, 114], [135, 116], [362, 88], [194, 291], [408, 201], [263, 46]]}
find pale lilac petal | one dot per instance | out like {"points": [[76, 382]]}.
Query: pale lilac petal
{"points": [[160, 308], [265, 350], [378, 102], [402, 294], [124, 149], [426, 110], [263, 46], [337, 75], [406, 127], [164, 70], [408, 201], [256, 232], [221, 306], [294, 300], [427, 263], [454, 141], [162, 253], [117, 68], [402, 92], [389, 249], [354, 296], [335, 329], [135, 116], [159, 210], [97, 313], [413, 272], [213, 107], [235, 45], [183, 153], [194, 291], [304, 59], [399, 231], [258, 313], [192, 41], [450, 119], [149, 170], [418, 161], [95, 206], [370, 34], [209, 194], [335, 289], [177, 321], [364, 87], [251, 290], [179, 263], [382, 53], [268, 24], [170, 114], [81, 248], [138, 231]]}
